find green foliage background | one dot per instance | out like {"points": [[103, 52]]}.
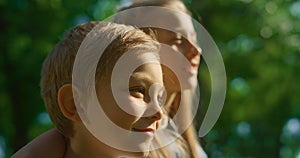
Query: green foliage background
{"points": [[259, 41]]}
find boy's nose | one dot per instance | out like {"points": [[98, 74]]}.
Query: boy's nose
{"points": [[157, 100], [157, 116], [154, 110]]}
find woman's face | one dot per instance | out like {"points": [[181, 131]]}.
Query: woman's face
{"points": [[187, 46], [173, 28]]}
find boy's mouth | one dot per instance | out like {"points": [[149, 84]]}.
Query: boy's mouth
{"points": [[144, 130]]}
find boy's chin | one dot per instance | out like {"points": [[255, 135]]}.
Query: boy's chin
{"points": [[135, 155], [144, 147], [143, 151]]}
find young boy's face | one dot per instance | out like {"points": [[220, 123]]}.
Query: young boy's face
{"points": [[141, 97]]}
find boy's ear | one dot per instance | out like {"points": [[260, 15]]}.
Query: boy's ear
{"points": [[66, 103]]}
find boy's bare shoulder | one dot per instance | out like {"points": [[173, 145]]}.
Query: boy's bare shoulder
{"points": [[50, 144]]}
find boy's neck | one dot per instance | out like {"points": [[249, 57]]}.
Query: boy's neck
{"points": [[85, 146]]}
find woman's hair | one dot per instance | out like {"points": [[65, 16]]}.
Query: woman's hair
{"points": [[171, 4], [57, 67]]}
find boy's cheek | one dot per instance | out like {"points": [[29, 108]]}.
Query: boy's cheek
{"points": [[130, 105]]}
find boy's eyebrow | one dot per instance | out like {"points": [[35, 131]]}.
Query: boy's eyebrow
{"points": [[140, 76], [143, 77]]}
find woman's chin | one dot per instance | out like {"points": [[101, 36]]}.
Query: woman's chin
{"points": [[190, 83]]}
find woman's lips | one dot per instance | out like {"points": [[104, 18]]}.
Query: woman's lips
{"points": [[144, 130], [195, 61], [195, 65]]}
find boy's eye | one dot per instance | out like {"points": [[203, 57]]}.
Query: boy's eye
{"points": [[137, 92], [161, 97]]}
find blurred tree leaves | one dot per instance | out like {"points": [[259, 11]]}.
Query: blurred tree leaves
{"points": [[259, 41]]}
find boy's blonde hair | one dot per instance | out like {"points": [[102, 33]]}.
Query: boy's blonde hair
{"points": [[57, 67]]}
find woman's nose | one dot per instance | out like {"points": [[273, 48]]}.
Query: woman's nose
{"points": [[192, 51]]}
